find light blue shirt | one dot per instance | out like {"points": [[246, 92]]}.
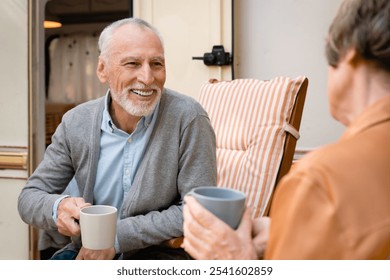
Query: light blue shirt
{"points": [[119, 159], [120, 156]]}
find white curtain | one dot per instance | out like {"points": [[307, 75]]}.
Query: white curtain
{"points": [[73, 62]]}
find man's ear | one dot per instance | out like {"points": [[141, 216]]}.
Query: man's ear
{"points": [[101, 71]]}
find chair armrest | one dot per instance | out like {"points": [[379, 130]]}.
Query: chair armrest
{"points": [[174, 242]]}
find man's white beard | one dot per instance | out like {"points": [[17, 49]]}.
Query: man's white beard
{"points": [[138, 110]]}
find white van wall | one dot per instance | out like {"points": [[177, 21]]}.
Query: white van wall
{"points": [[287, 37], [13, 124]]}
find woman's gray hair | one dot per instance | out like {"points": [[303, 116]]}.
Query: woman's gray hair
{"points": [[363, 25], [106, 35]]}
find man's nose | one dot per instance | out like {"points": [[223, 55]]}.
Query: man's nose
{"points": [[145, 75]]}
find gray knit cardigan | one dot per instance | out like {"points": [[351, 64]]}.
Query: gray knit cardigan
{"points": [[180, 155]]}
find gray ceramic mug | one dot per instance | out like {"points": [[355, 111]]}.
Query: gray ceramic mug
{"points": [[227, 204]]}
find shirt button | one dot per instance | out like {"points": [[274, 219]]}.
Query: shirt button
{"points": [[129, 140]]}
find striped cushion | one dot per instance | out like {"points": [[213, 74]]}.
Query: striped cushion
{"points": [[249, 118]]}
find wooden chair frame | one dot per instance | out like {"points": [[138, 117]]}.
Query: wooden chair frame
{"points": [[291, 141]]}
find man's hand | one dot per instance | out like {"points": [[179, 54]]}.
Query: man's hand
{"points": [[68, 215], [86, 254]]}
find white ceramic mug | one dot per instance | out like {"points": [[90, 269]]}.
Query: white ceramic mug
{"points": [[98, 226], [227, 204]]}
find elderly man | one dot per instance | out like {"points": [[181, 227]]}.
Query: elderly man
{"points": [[140, 148]]}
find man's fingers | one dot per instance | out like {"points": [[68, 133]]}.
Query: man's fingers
{"points": [[69, 214]]}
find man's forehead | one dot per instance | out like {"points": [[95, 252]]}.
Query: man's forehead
{"points": [[133, 34], [140, 57]]}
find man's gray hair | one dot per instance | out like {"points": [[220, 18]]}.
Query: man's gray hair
{"points": [[106, 35]]}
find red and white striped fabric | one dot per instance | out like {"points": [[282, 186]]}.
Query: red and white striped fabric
{"points": [[249, 117]]}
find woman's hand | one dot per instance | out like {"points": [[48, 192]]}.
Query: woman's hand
{"points": [[207, 237]]}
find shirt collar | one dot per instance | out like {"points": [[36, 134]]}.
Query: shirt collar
{"points": [[374, 114]]}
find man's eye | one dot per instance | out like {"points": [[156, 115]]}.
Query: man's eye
{"points": [[131, 63], [158, 64]]}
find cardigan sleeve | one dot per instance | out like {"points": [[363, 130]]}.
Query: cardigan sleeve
{"points": [[46, 184]]}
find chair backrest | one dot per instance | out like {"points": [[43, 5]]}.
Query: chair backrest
{"points": [[53, 116], [256, 124]]}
